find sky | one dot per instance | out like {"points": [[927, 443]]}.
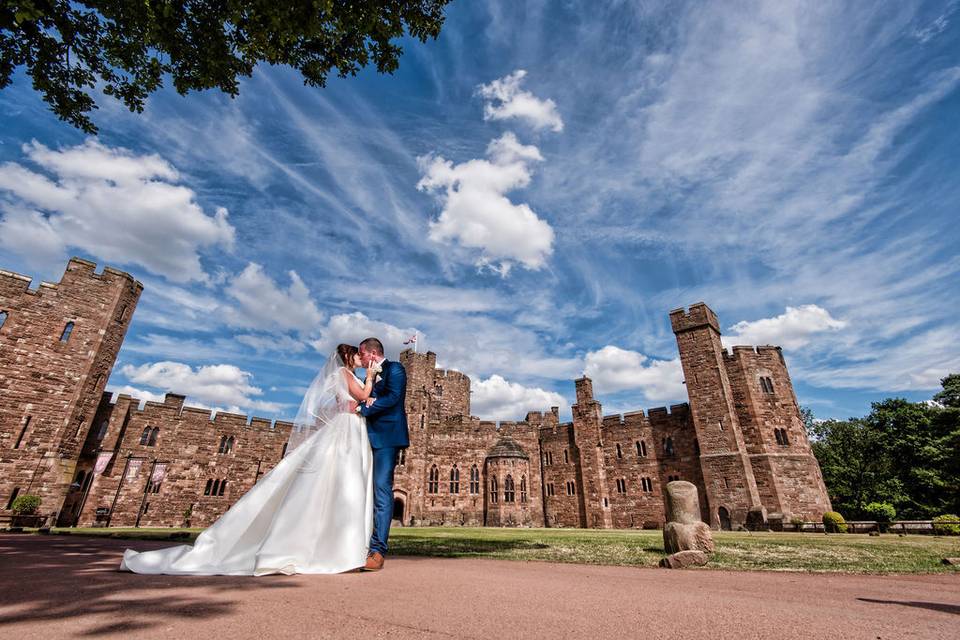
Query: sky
{"points": [[531, 194]]}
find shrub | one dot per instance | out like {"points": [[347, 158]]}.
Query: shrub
{"points": [[882, 512], [25, 505], [833, 522], [941, 528], [797, 521]]}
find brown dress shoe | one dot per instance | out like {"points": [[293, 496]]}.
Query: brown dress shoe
{"points": [[374, 562]]}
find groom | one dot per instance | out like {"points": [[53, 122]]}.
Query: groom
{"points": [[387, 429]]}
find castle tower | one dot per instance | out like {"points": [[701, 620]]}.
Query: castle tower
{"points": [[731, 488], [588, 439], [58, 345]]}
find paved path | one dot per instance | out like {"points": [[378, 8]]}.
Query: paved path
{"points": [[59, 586]]}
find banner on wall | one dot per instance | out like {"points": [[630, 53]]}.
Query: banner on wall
{"points": [[133, 468], [159, 473], [103, 460]]}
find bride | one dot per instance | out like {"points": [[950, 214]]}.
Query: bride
{"points": [[313, 512]]}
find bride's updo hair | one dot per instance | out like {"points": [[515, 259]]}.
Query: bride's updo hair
{"points": [[346, 353]]}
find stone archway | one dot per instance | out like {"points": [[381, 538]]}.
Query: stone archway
{"points": [[724, 516], [399, 507]]}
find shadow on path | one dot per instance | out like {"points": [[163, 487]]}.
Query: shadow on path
{"points": [[933, 606], [58, 577]]}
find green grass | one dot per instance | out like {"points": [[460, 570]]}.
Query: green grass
{"points": [[842, 553]]}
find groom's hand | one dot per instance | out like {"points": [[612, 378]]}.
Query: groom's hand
{"points": [[370, 401]]}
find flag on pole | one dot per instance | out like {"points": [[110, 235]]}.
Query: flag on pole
{"points": [[413, 341]]}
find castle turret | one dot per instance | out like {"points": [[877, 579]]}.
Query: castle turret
{"points": [[731, 488], [591, 485], [58, 345]]}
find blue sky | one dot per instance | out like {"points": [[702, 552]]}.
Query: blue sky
{"points": [[532, 193]]}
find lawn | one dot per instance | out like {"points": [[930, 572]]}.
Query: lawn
{"points": [[849, 553]]}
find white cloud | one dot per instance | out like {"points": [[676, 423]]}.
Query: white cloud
{"points": [[352, 328], [614, 369], [792, 329], [265, 343], [120, 207], [139, 394], [219, 384], [263, 304], [497, 399], [476, 212], [504, 99]]}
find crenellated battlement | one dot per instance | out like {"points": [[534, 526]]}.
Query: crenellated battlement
{"points": [[697, 316], [173, 406], [77, 273]]}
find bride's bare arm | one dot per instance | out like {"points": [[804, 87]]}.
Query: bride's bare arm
{"points": [[357, 392]]}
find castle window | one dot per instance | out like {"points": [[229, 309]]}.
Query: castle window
{"points": [[80, 478], [226, 444], [619, 451], [123, 313], [776, 434], [153, 437], [23, 432], [621, 485], [208, 488], [566, 457], [438, 389], [3, 318], [154, 488], [67, 330], [145, 436], [223, 487], [433, 485], [509, 493], [672, 478], [474, 480], [550, 490], [423, 421], [781, 435], [606, 502], [642, 448], [646, 484], [454, 480], [283, 452], [103, 429], [493, 489], [766, 384], [668, 446], [403, 457], [216, 487], [571, 488], [13, 496], [523, 488]]}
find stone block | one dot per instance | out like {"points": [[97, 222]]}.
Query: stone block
{"points": [[684, 559]]}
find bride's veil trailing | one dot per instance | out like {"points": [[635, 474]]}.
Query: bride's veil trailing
{"points": [[326, 397]]}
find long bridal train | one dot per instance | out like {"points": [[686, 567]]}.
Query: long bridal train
{"points": [[312, 513]]}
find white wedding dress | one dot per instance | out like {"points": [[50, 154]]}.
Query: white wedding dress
{"points": [[312, 513]]}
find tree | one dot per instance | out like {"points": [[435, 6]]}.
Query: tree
{"points": [[950, 395], [128, 47]]}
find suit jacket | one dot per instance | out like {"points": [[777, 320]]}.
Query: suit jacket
{"points": [[387, 416]]}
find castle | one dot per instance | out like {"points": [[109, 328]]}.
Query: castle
{"points": [[95, 461]]}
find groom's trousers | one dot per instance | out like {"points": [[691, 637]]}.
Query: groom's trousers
{"points": [[384, 461]]}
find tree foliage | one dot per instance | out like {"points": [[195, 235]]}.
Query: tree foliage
{"points": [[69, 47], [906, 454]]}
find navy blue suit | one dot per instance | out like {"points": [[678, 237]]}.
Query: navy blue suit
{"points": [[387, 430]]}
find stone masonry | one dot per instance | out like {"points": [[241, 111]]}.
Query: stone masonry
{"points": [[97, 460]]}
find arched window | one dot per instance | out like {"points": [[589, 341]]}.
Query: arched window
{"points": [[494, 497], [433, 486], [145, 436], [67, 330], [153, 436], [121, 316], [103, 429], [619, 451], [474, 480], [508, 489], [230, 442], [566, 457], [523, 488], [3, 318], [642, 449], [776, 434], [454, 480], [621, 485], [668, 446], [646, 485], [766, 385], [216, 487], [223, 487], [223, 445], [208, 488]]}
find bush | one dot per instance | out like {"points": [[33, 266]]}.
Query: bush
{"points": [[833, 522], [797, 521], [25, 505], [942, 529], [882, 512]]}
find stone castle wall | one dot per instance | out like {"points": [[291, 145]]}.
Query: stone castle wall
{"points": [[740, 440]]}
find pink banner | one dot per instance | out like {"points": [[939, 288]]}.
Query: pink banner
{"points": [[133, 468], [103, 460], [159, 473]]}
